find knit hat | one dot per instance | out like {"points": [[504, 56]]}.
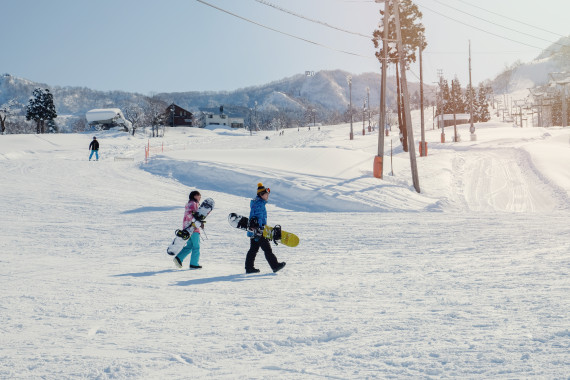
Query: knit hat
{"points": [[262, 189]]}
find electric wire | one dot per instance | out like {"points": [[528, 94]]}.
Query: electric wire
{"points": [[499, 25], [284, 33], [312, 20], [512, 19], [477, 28]]}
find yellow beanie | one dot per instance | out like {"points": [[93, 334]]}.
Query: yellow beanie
{"points": [[261, 189]]}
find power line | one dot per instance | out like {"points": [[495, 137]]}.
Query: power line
{"points": [[312, 20], [284, 33], [480, 29], [509, 18], [499, 25]]}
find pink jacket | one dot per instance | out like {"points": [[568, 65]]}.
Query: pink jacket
{"points": [[191, 207]]}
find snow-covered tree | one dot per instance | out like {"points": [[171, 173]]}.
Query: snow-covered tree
{"points": [[456, 103], [481, 104], [155, 114], [6, 110], [443, 97], [41, 108], [135, 114], [470, 96]]}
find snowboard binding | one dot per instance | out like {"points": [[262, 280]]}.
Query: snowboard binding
{"points": [[276, 234], [253, 224], [183, 234]]}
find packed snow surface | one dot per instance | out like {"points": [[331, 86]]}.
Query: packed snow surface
{"points": [[467, 279]]}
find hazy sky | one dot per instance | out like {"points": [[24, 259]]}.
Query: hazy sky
{"points": [[184, 45]]}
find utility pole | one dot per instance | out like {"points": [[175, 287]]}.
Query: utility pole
{"points": [[472, 128], [407, 113], [378, 160], [368, 97], [564, 104], [441, 113], [349, 79], [363, 117], [423, 144]]}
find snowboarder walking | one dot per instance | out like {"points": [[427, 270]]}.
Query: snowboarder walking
{"points": [[94, 148], [193, 226], [259, 213]]}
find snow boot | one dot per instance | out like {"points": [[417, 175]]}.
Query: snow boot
{"points": [[252, 270], [195, 267], [177, 262], [279, 267]]}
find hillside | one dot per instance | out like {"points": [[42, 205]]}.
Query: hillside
{"points": [[326, 91], [523, 75]]}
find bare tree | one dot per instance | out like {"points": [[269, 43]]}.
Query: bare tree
{"points": [[155, 114], [135, 114]]}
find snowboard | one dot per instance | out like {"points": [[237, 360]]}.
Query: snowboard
{"points": [[271, 233], [182, 236]]}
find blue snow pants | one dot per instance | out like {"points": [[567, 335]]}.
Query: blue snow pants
{"points": [[96, 155], [192, 245]]}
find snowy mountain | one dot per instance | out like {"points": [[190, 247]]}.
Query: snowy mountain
{"points": [[521, 76], [326, 91]]}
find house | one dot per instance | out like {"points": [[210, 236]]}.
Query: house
{"points": [[177, 116], [209, 118], [106, 118]]}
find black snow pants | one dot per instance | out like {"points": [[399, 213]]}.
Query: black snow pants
{"points": [[254, 248]]}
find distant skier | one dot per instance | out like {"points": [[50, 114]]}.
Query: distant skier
{"points": [[193, 226], [94, 148], [259, 213]]}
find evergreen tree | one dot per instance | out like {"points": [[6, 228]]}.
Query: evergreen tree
{"points": [[470, 96], [41, 108], [456, 104], [443, 97], [411, 28], [481, 106]]}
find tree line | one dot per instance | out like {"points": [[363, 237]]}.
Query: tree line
{"points": [[454, 100]]}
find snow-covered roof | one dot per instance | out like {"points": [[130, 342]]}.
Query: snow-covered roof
{"points": [[106, 115], [103, 114]]}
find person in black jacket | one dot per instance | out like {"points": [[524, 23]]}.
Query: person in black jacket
{"points": [[94, 148]]}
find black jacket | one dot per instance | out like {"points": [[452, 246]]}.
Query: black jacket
{"points": [[94, 145]]}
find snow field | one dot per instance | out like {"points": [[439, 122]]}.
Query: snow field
{"points": [[468, 279]]}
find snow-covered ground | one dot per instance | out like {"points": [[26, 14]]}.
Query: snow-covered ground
{"points": [[468, 279]]}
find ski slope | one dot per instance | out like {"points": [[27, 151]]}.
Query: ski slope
{"points": [[467, 279]]}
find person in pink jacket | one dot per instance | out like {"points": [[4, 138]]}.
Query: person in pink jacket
{"points": [[193, 226]]}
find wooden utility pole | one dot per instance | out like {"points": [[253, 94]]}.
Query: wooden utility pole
{"points": [[404, 85], [423, 144], [378, 160], [472, 128]]}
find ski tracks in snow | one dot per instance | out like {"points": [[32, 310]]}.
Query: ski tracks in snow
{"points": [[502, 179]]}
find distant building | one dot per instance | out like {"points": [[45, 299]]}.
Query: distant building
{"points": [[178, 116], [209, 118], [106, 118], [448, 120]]}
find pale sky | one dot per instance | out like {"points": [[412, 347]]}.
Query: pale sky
{"points": [[184, 45]]}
